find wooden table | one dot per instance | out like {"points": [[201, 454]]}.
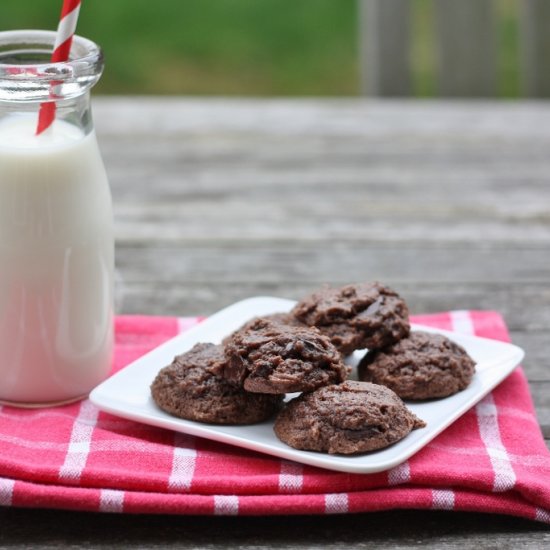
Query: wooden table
{"points": [[222, 199]]}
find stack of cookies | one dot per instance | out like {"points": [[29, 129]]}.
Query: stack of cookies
{"points": [[245, 379]]}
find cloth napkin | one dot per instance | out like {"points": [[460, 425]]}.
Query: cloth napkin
{"points": [[493, 459]]}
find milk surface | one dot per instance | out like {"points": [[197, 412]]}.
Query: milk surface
{"points": [[56, 263]]}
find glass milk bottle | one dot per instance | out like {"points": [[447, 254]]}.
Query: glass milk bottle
{"points": [[56, 226]]}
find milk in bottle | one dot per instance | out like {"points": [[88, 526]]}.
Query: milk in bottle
{"points": [[56, 258]]}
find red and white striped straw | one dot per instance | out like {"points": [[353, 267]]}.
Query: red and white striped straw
{"points": [[61, 50]]}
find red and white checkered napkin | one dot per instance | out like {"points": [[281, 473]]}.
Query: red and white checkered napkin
{"points": [[493, 459]]}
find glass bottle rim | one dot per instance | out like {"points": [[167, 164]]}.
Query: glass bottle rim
{"points": [[25, 60]]}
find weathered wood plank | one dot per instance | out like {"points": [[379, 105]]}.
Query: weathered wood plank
{"points": [[537, 362], [523, 311], [434, 171], [466, 48], [158, 118], [385, 530], [258, 219], [384, 47], [338, 262], [540, 392], [535, 47]]}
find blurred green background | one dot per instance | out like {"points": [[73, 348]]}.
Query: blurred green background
{"points": [[244, 47]]}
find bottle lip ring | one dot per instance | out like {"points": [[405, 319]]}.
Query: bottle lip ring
{"points": [[86, 57]]}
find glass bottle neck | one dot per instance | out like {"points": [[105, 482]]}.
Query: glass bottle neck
{"points": [[75, 111], [29, 80]]}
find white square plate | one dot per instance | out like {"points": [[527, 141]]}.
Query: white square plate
{"points": [[127, 393]]}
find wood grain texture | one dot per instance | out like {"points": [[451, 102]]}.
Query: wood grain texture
{"points": [[51, 529], [218, 200]]}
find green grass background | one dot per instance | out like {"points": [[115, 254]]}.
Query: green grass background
{"points": [[244, 47]]}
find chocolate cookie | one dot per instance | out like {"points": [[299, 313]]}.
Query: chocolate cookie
{"points": [[349, 418], [422, 366], [271, 357], [192, 387], [365, 315]]}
